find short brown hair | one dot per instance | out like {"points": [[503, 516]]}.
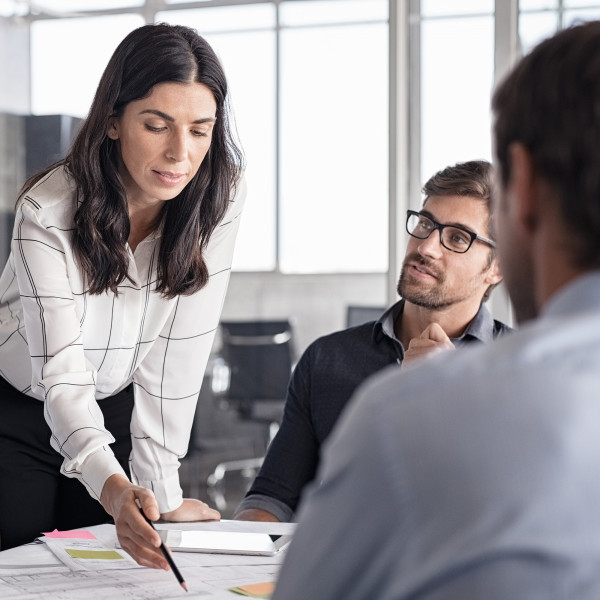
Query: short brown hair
{"points": [[474, 178]]}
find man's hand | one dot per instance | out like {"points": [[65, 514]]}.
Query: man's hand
{"points": [[431, 341]]}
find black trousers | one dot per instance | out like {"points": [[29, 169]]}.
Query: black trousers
{"points": [[34, 496]]}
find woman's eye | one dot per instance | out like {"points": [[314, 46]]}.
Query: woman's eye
{"points": [[199, 133], [154, 128]]}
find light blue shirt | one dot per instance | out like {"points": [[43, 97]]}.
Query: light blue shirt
{"points": [[474, 476]]}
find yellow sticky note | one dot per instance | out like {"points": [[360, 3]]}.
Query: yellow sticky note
{"points": [[94, 554], [255, 590]]}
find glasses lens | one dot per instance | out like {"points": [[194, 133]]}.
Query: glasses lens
{"points": [[419, 226], [455, 239]]}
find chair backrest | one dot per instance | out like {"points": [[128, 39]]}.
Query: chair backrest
{"points": [[260, 357], [357, 315]]}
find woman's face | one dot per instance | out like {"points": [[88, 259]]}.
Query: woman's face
{"points": [[163, 140]]}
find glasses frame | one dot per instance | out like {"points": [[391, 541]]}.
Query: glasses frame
{"points": [[440, 228]]}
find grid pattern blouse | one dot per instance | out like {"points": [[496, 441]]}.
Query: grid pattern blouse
{"points": [[72, 349]]}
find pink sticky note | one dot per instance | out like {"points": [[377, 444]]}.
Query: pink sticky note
{"points": [[81, 535]]}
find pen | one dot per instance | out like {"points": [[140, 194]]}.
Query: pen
{"points": [[167, 555]]}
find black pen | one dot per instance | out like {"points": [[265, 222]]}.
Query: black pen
{"points": [[167, 555]]}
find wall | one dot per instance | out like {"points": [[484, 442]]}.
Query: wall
{"points": [[317, 303]]}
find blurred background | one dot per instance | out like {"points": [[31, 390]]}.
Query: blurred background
{"points": [[344, 109]]}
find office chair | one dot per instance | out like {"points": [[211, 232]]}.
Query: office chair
{"points": [[357, 315], [251, 376]]}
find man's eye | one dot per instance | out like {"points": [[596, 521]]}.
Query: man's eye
{"points": [[459, 237], [425, 225]]}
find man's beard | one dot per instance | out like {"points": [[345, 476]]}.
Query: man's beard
{"points": [[432, 299]]}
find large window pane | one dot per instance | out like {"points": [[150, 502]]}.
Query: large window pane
{"points": [[334, 149], [63, 77], [248, 58], [457, 71]]}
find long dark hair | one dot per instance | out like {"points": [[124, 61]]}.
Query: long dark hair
{"points": [[149, 55]]}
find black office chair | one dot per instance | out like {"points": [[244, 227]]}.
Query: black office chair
{"points": [[251, 376]]}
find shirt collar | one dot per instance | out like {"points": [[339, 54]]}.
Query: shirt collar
{"points": [[480, 328]]}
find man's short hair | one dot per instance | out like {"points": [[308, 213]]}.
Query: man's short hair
{"points": [[474, 178], [550, 103]]}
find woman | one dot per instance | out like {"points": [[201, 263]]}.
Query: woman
{"points": [[112, 293]]}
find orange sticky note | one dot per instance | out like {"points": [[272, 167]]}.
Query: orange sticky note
{"points": [[80, 535], [255, 590]]}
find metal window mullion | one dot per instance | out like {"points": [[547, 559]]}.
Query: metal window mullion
{"points": [[399, 135]]}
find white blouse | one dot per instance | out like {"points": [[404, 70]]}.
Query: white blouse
{"points": [[72, 349]]}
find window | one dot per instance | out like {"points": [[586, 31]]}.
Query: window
{"points": [[309, 92], [333, 147], [457, 76], [64, 73], [244, 38]]}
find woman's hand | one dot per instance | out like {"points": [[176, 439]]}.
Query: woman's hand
{"points": [[122, 500], [192, 510]]}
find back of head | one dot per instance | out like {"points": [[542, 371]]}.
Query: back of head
{"points": [[550, 103]]}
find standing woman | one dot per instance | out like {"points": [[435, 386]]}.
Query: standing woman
{"points": [[111, 297]]}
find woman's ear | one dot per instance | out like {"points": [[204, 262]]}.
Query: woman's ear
{"points": [[113, 130]]}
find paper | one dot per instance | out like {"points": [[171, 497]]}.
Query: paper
{"points": [[255, 590], [33, 572], [88, 554]]}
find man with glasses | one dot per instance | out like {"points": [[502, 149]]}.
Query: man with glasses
{"points": [[449, 271]]}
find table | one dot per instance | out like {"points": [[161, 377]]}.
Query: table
{"points": [[33, 572]]}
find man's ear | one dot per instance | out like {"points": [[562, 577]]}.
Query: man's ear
{"points": [[522, 187], [113, 131], [494, 274]]}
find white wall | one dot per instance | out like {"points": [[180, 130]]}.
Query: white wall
{"points": [[317, 303]]}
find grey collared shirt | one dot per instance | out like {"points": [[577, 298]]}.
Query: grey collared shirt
{"points": [[470, 476]]}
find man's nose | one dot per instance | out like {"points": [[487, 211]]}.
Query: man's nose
{"points": [[432, 246]]}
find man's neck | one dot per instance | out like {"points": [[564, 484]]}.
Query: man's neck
{"points": [[413, 320]]}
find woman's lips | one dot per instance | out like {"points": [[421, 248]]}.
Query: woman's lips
{"points": [[169, 178]]}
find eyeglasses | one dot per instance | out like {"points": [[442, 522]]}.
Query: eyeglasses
{"points": [[452, 237]]}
